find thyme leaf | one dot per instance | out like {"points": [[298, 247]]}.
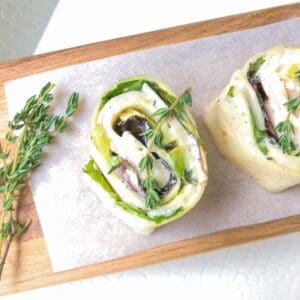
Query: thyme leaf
{"points": [[254, 66], [231, 90]]}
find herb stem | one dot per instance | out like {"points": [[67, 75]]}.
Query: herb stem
{"points": [[160, 123], [5, 253]]}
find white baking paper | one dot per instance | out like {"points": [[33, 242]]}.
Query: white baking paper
{"points": [[77, 229]]}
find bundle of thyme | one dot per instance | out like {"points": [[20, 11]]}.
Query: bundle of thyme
{"points": [[150, 184], [33, 128]]}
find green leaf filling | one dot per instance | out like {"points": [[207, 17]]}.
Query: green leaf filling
{"points": [[98, 177], [123, 87], [102, 143], [177, 155], [159, 219], [254, 66], [115, 162]]}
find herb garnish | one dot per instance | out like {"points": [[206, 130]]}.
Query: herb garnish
{"points": [[115, 162], [231, 90], [31, 130], [150, 184], [286, 127], [254, 66]]}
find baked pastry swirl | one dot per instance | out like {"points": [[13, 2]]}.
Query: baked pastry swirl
{"points": [[147, 159], [255, 121]]}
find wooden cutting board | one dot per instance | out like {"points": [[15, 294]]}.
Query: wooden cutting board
{"points": [[28, 264]]}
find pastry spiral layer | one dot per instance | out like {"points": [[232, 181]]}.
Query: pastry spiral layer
{"points": [[255, 121], [148, 164]]}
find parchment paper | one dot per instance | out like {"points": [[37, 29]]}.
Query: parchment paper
{"points": [[77, 229]]}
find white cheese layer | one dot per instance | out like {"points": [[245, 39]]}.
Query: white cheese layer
{"points": [[128, 148]]}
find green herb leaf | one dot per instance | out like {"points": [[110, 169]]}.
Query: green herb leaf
{"points": [[8, 202], [263, 147], [155, 135], [152, 196], [286, 144], [177, 155], [186, 98], [150, 133], [6, 228], [10, 138], [20, 228], [146, 163], [160, 218], [293, 104], [231, 90], [158, 140], [285, 127], [91, 170], [72, 104], [152, 199], [142, 214], [4, 154], [45, 95], [259, 134], [134, 85], [161, 113], [285, 141], [254, 66], [30, 103], [115, 162], [189, 177], [60, 124]]}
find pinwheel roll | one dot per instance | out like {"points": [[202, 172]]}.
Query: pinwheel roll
{"points": [[148, 164], [255, 122]]}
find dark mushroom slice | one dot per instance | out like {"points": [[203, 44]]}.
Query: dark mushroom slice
{"points": [[172, 176], [136, 125], [262, 97]]}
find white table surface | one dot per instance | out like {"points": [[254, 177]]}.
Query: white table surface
{"points": [[267, 269]]}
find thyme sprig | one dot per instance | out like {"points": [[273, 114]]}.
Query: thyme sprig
{"points": [[31, 129], [154, 136], [286, 128]]}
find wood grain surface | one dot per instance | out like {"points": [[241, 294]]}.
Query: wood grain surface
{"points": [[28, 264]]}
